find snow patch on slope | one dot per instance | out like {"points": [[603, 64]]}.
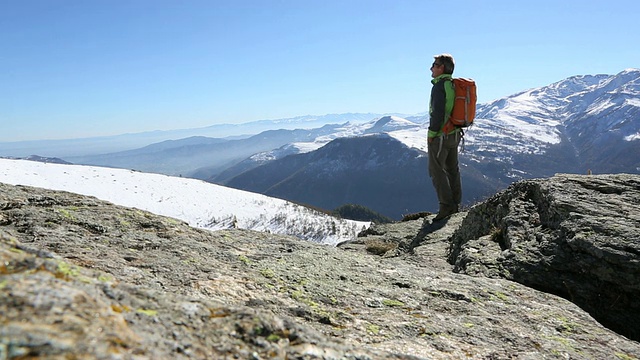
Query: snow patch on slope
{"points": [[200, 204]]}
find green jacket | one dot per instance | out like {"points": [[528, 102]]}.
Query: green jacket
{"points": [[441, 104]]}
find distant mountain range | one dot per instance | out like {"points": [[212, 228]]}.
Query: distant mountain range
{"points": [[194, 155], [119, 143], [581, 124]]}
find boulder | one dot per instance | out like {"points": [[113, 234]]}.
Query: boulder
{"points": [[574, 236]]}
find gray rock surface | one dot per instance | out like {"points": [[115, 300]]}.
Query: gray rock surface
{"points": [[574, 236], [83, 278]]}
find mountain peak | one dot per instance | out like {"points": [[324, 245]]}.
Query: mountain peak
{"points": [[630, 71], [390, 123]]}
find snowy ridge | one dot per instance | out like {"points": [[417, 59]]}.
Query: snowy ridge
{"points": [[527, 122], [200, 204], [328, 118], [530, 121], [521, 123], [406, 131], [567, 115]]}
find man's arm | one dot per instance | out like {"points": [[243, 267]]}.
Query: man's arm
{"points": [[438, 103]]}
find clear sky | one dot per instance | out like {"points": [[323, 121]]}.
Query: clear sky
{"points": [[80, 68]]}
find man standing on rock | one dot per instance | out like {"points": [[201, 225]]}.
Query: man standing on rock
{"points": [[443, 148]]}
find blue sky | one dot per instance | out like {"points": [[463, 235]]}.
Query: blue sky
{"points": [[80, 68]]}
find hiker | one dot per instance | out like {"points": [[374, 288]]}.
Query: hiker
{"points": [[443, 148]]}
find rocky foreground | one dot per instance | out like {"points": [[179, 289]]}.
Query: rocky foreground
{"points": [[81, 278]]}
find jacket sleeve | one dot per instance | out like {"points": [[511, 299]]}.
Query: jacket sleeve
{"points": [[437, 114]]}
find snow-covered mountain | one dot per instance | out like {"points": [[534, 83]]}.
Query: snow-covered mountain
{"points": [[581, 124], [373, 170], [199, 156], [408, 132], [571, 115], [196, 202], [404, 130], [537, 118]]}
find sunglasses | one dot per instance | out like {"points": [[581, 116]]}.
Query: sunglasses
{"points": [[435, 64]]}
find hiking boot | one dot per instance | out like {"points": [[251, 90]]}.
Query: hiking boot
{"points": [[443, 215], [446, 212], [440, 216]]}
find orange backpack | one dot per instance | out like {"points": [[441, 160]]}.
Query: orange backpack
{"points": [[464, 106]]}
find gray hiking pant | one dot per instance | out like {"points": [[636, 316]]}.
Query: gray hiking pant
{"points": [[444, 170]]}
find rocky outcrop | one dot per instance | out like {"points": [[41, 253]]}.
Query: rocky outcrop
{"points": [[83, 278], [574, 236]]}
